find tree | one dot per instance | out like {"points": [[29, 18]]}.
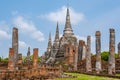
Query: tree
{"points": [[39, 59], [105, 55], [5, 60], [0, 59]]}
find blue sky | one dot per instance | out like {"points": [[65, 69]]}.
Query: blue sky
{"points": [[35, 19]]}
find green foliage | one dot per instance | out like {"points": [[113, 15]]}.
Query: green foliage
{"points": [[116, 55], [23, 58], [0, 59], [105, 55], [4, 60], [39, 59], [31, 57]]}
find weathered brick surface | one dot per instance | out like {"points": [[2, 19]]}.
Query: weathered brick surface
{"points": [[42, 73], [111, 60], [20, 58], [81, 50], [11, 63], [19, 63], [98, 51], [35, 58], [88, 55], [15, 43], [71, 55]]}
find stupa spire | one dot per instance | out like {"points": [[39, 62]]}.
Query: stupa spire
{"points": [[28, 53], [57, 34], [68, 28], [49, 43]]}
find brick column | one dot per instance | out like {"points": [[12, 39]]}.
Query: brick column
{"points": [[111, 60], [88, 55], [80, 50], [15, 43], [19, 64], [11, 63], [84, 51], [98, 51], [75, 58], [119, 50], [35, 58]]}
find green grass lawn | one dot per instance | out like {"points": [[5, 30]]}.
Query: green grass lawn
{"points": [[85, 77], [118, 74]]}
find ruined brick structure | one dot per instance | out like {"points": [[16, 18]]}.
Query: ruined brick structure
{"points": [[19, 61], [16, 70], [81, 50], [111, 60], [11, 63], [42, 73], [28, 59], [54, 49], [98, 51], [88, 55], [56, 52], [49, 48], [56, 42], [20, 58], [35, 58], [71, 54], [66, 52], [69, 51], [15, 43], [67, 38]]}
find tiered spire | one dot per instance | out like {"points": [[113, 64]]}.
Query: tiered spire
{"points": [[57, 34], [49, 43], [68, 29], [28, 53]]}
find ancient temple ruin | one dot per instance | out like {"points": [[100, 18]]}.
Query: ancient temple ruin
{"points": [[15, 43], [57, 52], [35, 58], [88, 55], [98, 51], [28, 59], [11, 63], [67, 38], [76, 54], [67, 53], [81, 50], [111, 61], [18, 69]]}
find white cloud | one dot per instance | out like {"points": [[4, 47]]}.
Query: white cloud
{"points": [[60, 16], [22, 44], [26, 26], [38, 35], [4, 35], [23, 24], [60, 35]]}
